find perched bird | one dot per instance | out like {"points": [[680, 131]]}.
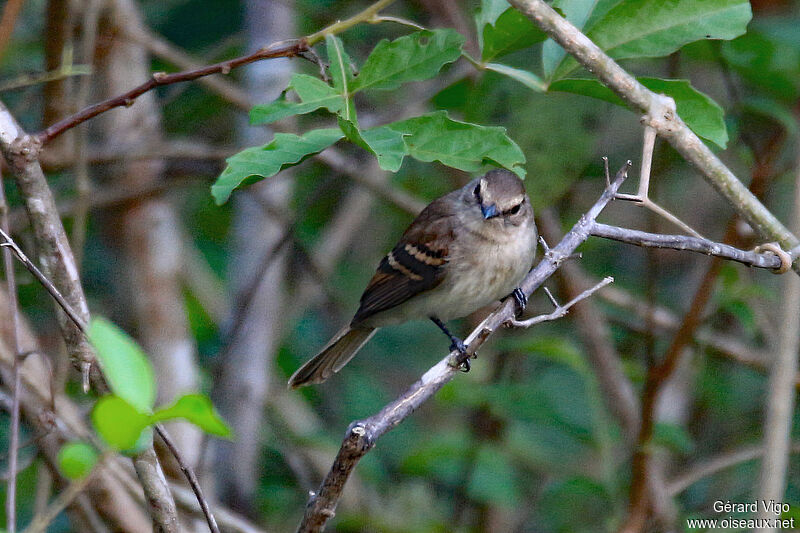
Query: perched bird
{"points": [[465, 250]]}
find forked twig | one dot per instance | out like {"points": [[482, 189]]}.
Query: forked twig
{"points": [[560, 310]]}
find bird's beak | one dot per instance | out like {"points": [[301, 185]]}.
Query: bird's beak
{"points": [[489, 211]]}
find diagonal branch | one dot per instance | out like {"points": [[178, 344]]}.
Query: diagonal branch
{"points": [[660, 114], [363, 434]]}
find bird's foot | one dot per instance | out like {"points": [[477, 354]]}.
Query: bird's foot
{"points": [[459, 346], [520, 299]]}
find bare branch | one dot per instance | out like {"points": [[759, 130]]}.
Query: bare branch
{"points": [[283, 49], [659, 113], [769, 261], [362, 435], [13, 304]]}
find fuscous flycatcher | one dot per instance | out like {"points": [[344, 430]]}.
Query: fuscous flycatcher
{"points": [[465, 250]]}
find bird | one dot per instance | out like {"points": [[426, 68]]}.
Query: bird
{"points": [[465, 250]]}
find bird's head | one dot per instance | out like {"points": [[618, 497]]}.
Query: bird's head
{"points": [[500, 197]]}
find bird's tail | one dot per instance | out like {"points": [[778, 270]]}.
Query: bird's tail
{"points": [[337, 353]]}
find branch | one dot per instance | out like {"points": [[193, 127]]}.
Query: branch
{"points": [[659, 113], [768, 260], [709, 467], [13, 304], [55, 254], [560, 310], [780, 396], [291, 48], [362, 435], [281, 49]]}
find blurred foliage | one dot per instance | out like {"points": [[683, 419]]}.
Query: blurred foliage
{"points": [[524, 442]]}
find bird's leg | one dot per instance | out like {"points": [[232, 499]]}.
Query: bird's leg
{"points": [[455, 343], [521, 300]]}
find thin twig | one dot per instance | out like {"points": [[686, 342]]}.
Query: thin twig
{"points": [[26, 80], [750, 258], [9, 244], [709, 467], [13, 438], [83, 185], [560, 310], [362, 435], [280, 49], [190, 477]]}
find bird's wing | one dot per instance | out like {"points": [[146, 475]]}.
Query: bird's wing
{"points": [[416, 264]]}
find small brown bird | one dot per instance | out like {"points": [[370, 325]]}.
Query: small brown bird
{"points": [[465, 250]]}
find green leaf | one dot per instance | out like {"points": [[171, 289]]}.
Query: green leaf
{"points": [[414, 57], [342, 74], [387, 146], [197, 409], [578, 12], [655, 28], [502, 30], [702, 114], [76, 459], [124, 364], [118, 422], [259, 162], [313, 94], [529, 79], [437, 137]]}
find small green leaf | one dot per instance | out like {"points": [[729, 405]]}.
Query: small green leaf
{"points": [[655, 28], [259, 162], [124, 364], [702, 114], [502, 30], [437, 137], [313, 94], [529, 79], [76, 459], [198, 410], [118, 422], [341, 73], [414, 57]]}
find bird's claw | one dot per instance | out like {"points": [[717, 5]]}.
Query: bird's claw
{"points": [[520, 299], [459, 346]]}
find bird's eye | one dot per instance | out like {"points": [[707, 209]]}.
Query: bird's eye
{"points": [[477, 191], [514, 210]]}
